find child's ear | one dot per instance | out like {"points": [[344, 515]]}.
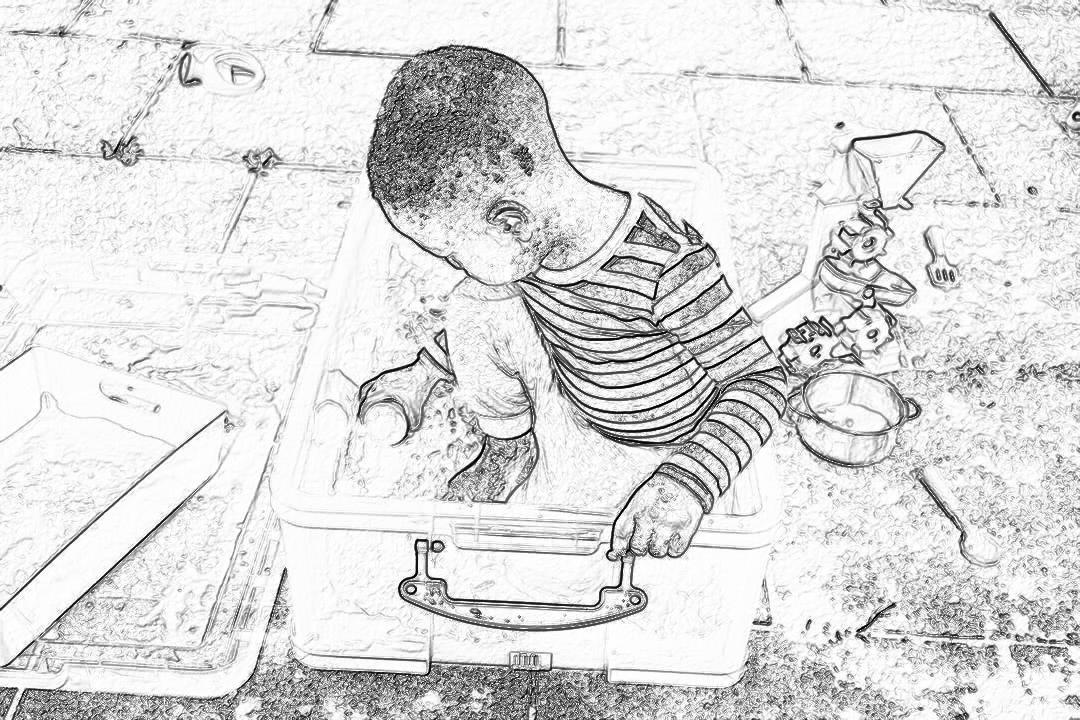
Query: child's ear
{"points": [[510, 217]]}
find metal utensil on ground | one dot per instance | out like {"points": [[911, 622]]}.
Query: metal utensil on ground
{"points": [[850, 417], [221, 71], [976, 545], [942, 273]]}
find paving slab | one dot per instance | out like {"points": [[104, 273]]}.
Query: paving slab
{"points": [[1050, 672], [527, 30], [634, 117], [772, 143], [264, 23], [784, 680], [886, 44], [152, 208], [37, 15], [312, 109], [1028, 154], [68, 94], [294, 222], [739, 38], [994, 366]]}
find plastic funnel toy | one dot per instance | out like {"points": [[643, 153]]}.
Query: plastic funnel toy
{"points": [[889, 166]]}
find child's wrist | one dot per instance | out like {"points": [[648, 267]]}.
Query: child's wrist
{"points": [[685, 480]]}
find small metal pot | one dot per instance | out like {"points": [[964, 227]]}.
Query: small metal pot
{"points": [[850, 418]]}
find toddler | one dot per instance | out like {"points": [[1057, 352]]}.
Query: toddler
{"points": [[576, 291]]}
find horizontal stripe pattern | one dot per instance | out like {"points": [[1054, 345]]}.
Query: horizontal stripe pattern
{"points": [[652, 348]]}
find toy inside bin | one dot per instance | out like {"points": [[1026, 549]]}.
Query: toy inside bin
{"points": [[539, 569]]}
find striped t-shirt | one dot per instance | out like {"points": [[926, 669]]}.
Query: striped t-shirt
{"points": [[650, 346]]}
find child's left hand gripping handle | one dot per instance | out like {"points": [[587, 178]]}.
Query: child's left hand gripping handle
{"points": [[660, 519]]}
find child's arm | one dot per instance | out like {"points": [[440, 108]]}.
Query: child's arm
{"points": [[503, 466], [695, 303], [407, 387]]}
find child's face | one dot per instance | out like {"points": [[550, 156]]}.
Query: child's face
{"points": [[495, 240]]}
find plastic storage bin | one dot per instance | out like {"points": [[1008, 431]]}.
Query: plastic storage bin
{"points": [[375, 582]]}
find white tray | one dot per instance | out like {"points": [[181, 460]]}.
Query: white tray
{"points": [[216, 330], [78, 504]]}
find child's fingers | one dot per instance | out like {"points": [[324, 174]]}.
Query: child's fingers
{"points": [[658, 543], [620, 536], [640, 539], [678, 544]]}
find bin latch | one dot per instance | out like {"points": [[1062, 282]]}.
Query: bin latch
{"points": [[433, 595], [530, 661], [533, 663]]}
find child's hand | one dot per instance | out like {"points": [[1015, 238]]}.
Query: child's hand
{"points": [[660, 518], [406, 388]]}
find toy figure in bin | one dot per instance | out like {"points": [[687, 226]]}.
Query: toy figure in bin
{"points": [[573, 285]]}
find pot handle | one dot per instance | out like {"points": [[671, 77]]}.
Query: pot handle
{"points": [[432, 594], [795, 406], [913, 409]]}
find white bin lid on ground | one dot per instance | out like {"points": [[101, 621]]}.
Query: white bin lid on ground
{"points": [[185, 612], [92, 461]]}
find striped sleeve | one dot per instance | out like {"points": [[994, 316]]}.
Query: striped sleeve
{"points": [[695, 304]]}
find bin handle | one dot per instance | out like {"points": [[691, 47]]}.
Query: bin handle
{"points": [[433, 595], [127, 394]]}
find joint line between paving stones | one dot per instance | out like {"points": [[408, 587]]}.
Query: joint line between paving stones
{"points": [[560, 32], [344, 52], [939, 202], [312, 167], [238, 210], [967, 146], [800, 55], [152, 100], [697, 122], [21, 150], [189, 159], [1020, 53], [84, 7], [376, 54], [24, 150], [162, 39], [716, 75], [324, 22]]}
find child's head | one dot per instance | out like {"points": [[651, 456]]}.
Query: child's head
{"points": [[464, 160]]}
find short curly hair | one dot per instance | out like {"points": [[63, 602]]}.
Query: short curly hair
{"points": [[449, 111]]}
